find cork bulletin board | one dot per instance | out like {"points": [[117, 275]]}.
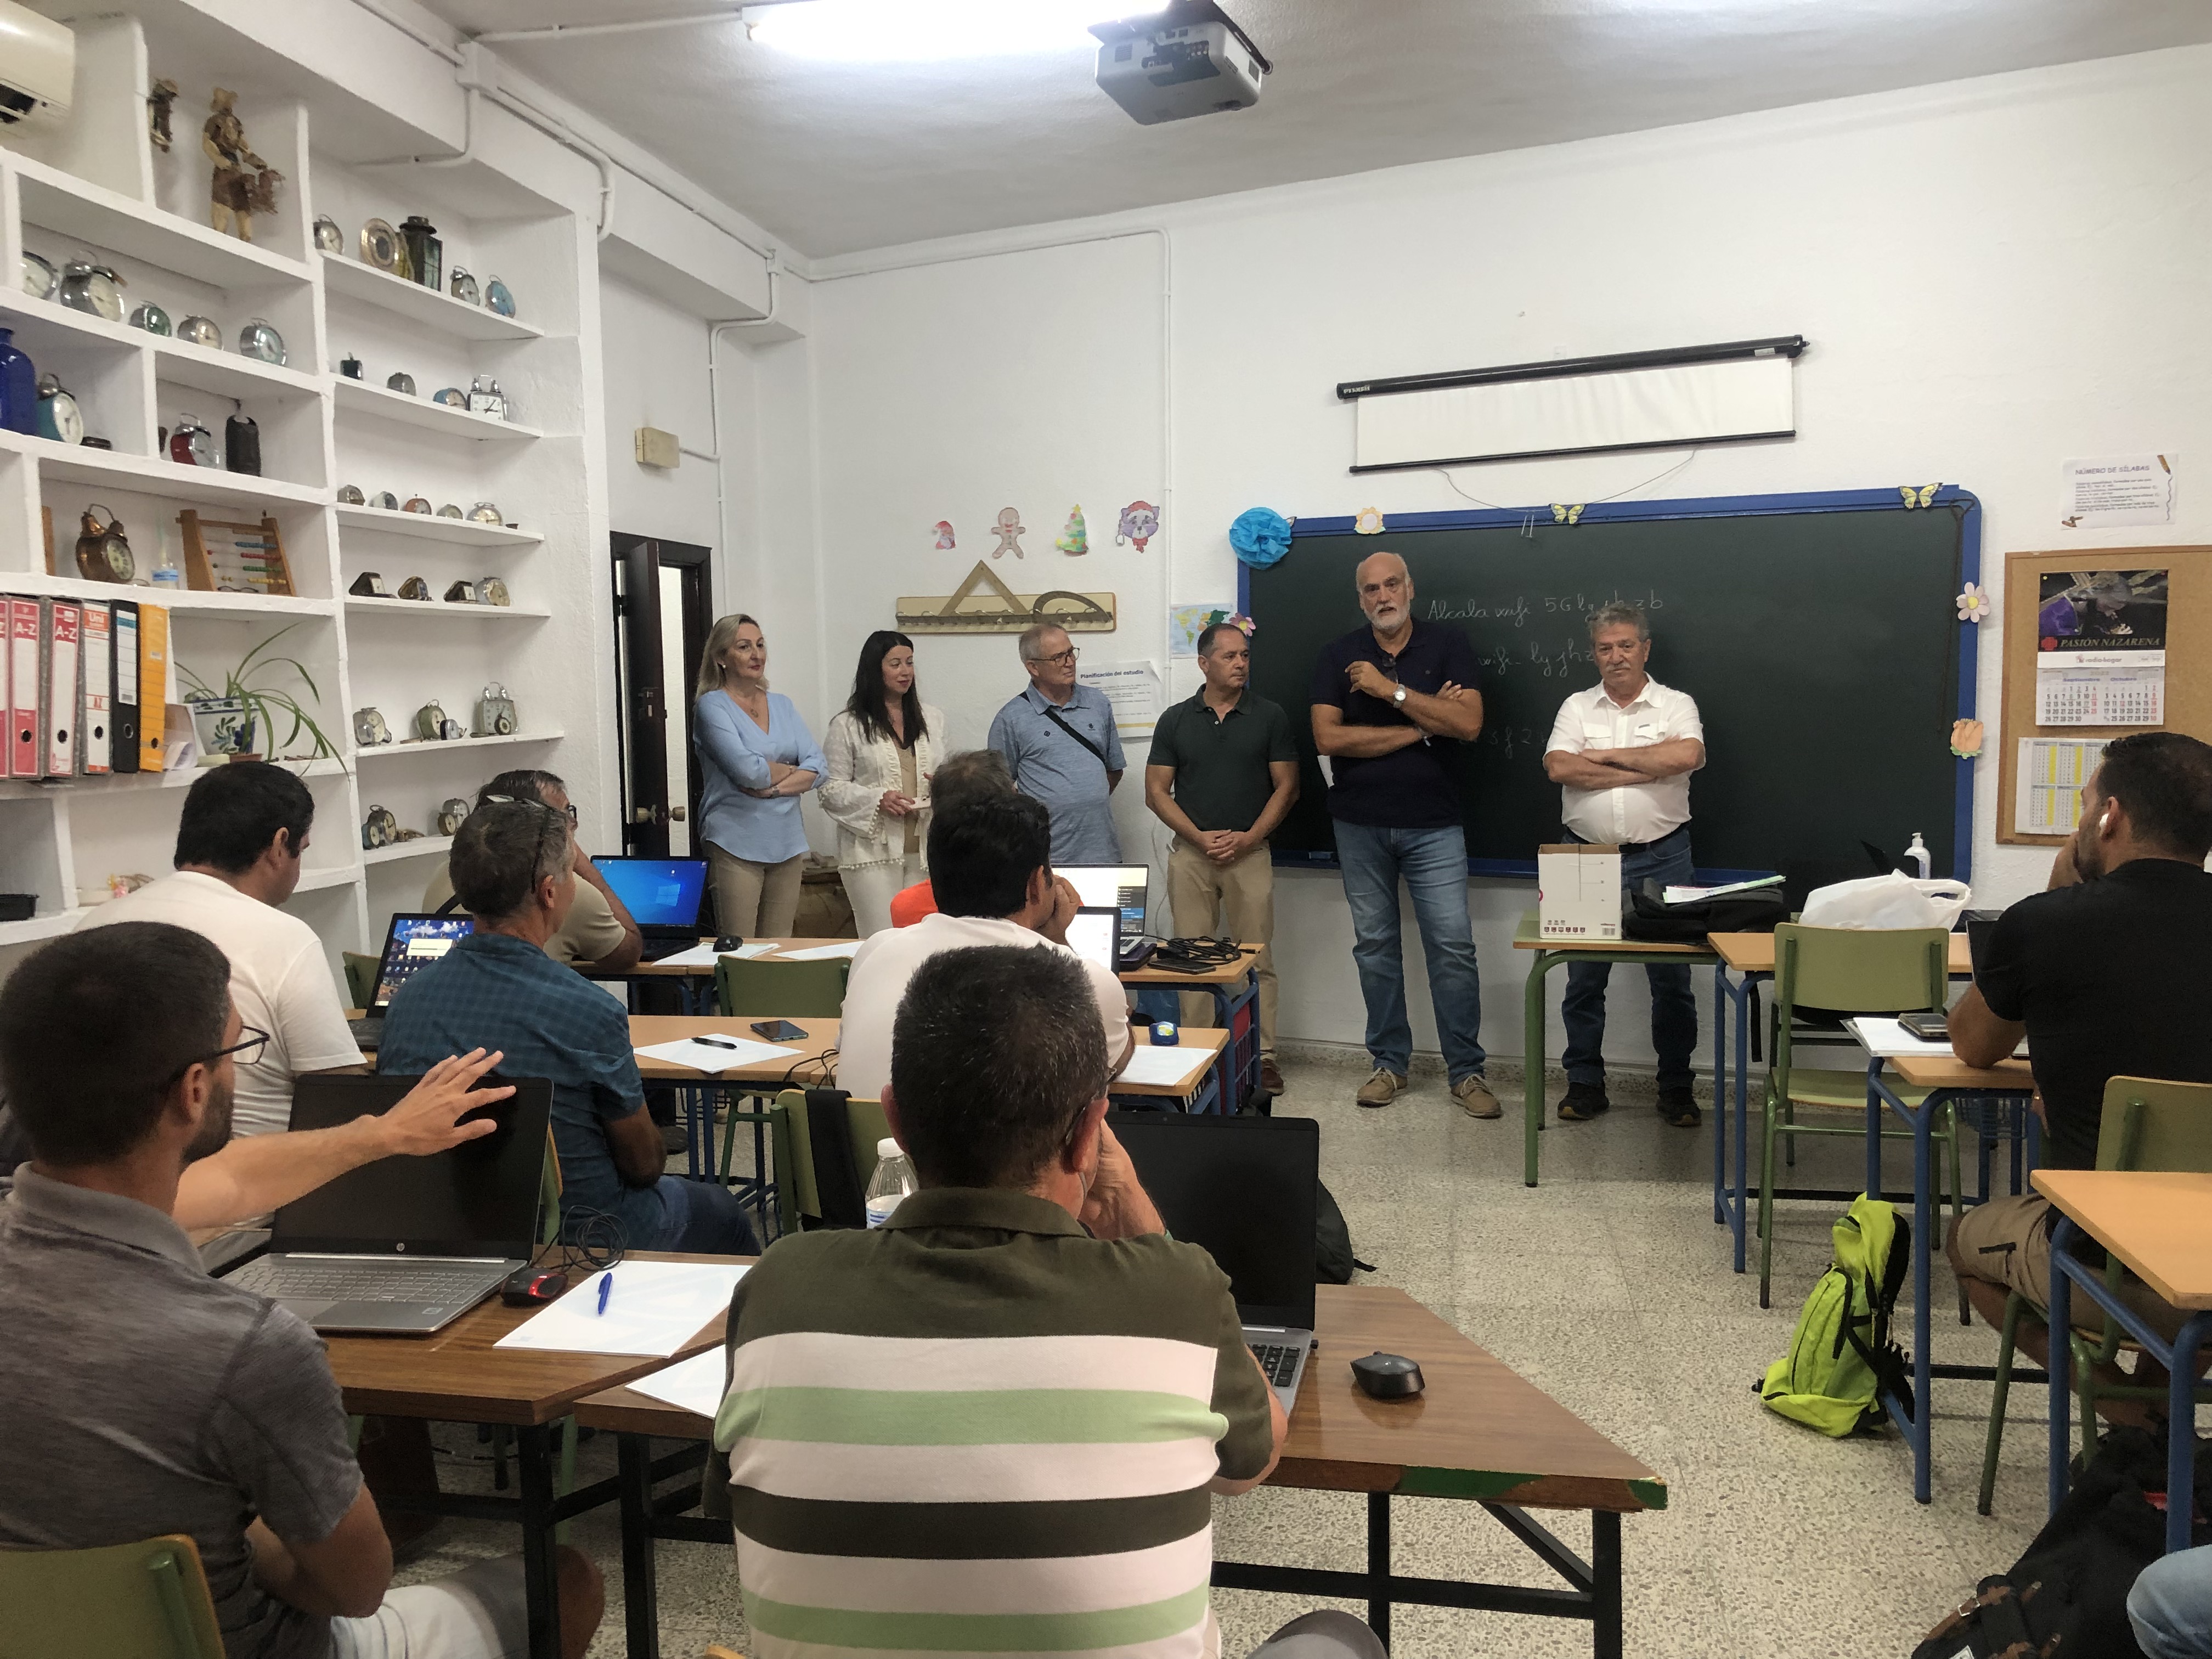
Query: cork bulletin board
{"points": [[2188, 656]]}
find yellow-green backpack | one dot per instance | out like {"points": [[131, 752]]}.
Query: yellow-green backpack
{"points": [[1841, 1355]]}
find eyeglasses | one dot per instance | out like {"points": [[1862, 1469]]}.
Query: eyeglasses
{"points": [[1061, 658], [516, 800], [248, 1049]]}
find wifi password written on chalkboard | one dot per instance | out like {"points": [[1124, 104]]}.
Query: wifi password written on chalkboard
{"points": [[1519, 611]]}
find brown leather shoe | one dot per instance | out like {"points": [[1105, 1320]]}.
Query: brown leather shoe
{"points": [[1476, 1099], [1270, 1075], [1381, 1088]]}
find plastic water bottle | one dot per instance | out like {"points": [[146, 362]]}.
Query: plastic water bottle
{"points": [[893, 1180], [1917, 853]]}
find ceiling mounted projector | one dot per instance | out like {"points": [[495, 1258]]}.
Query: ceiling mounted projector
{"points": [[1189, 58]]}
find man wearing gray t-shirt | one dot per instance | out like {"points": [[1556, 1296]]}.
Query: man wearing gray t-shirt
{"points": [[144, 1397]]}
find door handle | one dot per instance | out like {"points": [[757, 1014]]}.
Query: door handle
{"points": [[677, 813]]}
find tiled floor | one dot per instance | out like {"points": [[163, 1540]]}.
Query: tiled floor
{"points": [[1609, 1287]]}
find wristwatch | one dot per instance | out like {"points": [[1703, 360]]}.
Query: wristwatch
{"points": [[1398, 697]]}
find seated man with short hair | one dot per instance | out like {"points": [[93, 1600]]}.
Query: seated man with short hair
{"points": [[2105, 974], [995, 1424], [512, 868], [990, 858], [144, 1397], [957, 779]]}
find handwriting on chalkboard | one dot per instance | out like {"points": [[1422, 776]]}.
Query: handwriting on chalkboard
{"points": [[1520, 607], [1512, 739]]}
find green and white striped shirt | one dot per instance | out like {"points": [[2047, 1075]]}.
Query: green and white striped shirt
{"points": [[978, 1430]]}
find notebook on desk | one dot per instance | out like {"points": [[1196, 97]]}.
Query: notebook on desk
{"points": [[665, 898]]}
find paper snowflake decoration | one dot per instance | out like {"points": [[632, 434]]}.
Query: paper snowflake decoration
{"points": [[1974, 603]]}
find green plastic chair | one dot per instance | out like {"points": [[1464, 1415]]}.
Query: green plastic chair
{"points": [[148, 1599], [780, 990], [797, 1197], [361, 977], [2148, 1124], [1852, 971]]}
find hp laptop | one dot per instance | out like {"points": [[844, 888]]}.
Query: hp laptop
{"points": [[1243, 1188], [411, 944], [406, 1245], [1094, 934], [1121, 887], [664, 896]]}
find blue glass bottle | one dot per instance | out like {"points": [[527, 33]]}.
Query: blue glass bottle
{"points": [[19, 387]]}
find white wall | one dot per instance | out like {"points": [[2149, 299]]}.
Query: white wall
{"points": [[1994, 275], [654, 360]]}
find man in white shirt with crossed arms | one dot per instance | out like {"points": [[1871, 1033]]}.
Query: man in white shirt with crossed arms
{"points": [[1622, 753]]}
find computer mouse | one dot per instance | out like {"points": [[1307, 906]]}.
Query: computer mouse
{"points": [[533, 1287], [728, 942], [1387, 1375]]}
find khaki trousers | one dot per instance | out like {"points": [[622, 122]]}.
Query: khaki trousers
{"points": [[1235, 901], [754, 900]]}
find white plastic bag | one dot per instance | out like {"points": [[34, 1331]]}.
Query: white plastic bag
{"points": [[1895, 900]]}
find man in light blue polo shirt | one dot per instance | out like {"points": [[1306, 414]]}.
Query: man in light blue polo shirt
{"points": [[1059, 741]]}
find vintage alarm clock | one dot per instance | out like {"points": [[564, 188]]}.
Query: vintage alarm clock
{"points": [[464, 287], [191, 444], [460, 593], [498, 298], [259, 340], [485, 513], [40, 279], [486, 398], [496, 716], [103, 555], [415, 588], [402, 382], [151, 317], [417, 504], [450, 816], [350, 496], [369, 728], [350, 366], [430, 721], [59, 417], [198, 330], [491, 591], [452, 396], [379, 828], [449, 511], [92, 289], [385, 499], [369, 585], [329, 239]]}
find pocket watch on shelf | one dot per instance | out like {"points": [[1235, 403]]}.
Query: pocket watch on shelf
{"points": [[460, 593], [464, 287], [92, 289], [191, 444], [379, 828], [370, 729], [59, 417], [151, 317], [260, 339], [486, 398], [40, 279], [415, 588], [491, 591], [369, 585], [383, 246], [402, 382], [385, 499], [329, 239], [451, 814], [485, 513], [499, 298], [102, 553], [350, 496], [496, 716], [199, 332], [452, 396]]}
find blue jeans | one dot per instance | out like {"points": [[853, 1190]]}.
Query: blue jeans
{"points": [[1434, 865], [704, 1217], [2171, 1605], [1674, 1010]]}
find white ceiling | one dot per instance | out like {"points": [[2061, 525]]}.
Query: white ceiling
{"points": [[838, 157]]}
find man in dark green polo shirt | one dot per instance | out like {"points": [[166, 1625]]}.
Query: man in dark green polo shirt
{"points": [[1222, 771]]}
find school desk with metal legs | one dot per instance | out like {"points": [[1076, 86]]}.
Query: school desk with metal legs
{"points": [[1477, 1433], [1235, 988], [2159, 1226]]}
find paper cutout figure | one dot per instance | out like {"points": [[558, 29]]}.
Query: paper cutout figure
{"points": [[1010, 529], [1974, 603], [1965, 738], [1075, 540], [944, 529], [1140, 522], [1567, 515], [1924, 496], [1369, 522]]}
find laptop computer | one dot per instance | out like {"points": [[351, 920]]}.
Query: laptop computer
{"points": [[414, 941], [664, 896], [1122, 888], [1093, 933], [406, 1245], [1245, 1189]]}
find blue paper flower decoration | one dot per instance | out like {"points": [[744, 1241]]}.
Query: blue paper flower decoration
{"points": [[1261, 536]]}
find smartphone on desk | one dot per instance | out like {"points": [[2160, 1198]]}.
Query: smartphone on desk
{"points": [[1928, 1025], [779, 1030]]}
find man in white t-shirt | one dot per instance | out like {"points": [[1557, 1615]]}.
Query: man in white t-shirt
{"points": [[238, 843], [990, 865]]}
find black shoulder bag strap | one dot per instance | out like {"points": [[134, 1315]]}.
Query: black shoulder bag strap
{"points": [[449, 905], [1054, 715]]}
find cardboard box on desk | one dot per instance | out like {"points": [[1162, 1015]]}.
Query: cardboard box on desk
{"points": [[1578, 892]]}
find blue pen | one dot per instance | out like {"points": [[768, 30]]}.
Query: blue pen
{"points": [[606, 1286]]}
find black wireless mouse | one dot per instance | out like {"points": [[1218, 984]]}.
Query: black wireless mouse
{"points": [[1387, 1375], [727, 942]]}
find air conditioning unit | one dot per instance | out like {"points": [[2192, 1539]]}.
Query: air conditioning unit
{"points": [[38, 67], [1188, 59]]}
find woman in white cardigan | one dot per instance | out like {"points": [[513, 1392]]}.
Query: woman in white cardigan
{"points": [[881, 751]]}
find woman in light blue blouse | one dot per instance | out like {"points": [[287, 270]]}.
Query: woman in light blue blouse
{"points": [[757, 758]]}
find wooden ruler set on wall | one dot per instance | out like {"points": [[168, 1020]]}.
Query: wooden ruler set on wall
{"points": [[984, 605]]}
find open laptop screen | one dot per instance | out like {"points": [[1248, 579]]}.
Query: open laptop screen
{"points": [[657, 893], [1243, 1188], [1093, 935], [1119, 887], [412, 945], [480, 1199]]}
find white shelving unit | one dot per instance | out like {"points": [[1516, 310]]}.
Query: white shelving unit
{"points": [[100, 189]]}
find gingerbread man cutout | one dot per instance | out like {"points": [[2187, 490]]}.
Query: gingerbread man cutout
{"points": [[1009, 528]]}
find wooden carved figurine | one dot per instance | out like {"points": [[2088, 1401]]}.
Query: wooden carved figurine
{"points": [[159, 101], [243, 185]]}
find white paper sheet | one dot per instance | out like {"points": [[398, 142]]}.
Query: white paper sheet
{"points": [[2103, 492], [713, 1059], [2047, 783], [1132, 688], [694, 1384], [843, 947], [1885, 1039], [656, 1307], [704, 955], [1158, 1065], [2101, 687]]}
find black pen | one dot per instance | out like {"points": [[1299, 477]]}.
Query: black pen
{"points": [[715, 1042]]}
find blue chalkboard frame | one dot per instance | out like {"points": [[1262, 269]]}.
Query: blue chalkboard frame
{"points": [[1706, 506]]}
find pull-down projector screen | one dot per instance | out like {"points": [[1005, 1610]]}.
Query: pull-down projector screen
{"points": [[1486, 419]]}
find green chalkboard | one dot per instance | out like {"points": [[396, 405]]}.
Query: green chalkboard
{"points": [[1818, 635]]}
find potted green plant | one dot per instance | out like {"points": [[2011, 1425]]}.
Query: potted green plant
{"points": [[248, 706]]}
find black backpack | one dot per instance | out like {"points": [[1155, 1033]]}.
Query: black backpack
{"points": [[1646, 916]]}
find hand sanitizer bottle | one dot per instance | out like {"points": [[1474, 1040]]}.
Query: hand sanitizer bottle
{"points": [[1917, 853]]}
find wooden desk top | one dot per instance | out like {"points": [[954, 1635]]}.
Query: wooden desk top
{"points": [[1202, 1044], [646, 1029], [2161, 1224], [1227, 973], [1754, 953], [661, 970], [459, 1376], [1477, 1430], [1528, 936], [2006, 1077]]}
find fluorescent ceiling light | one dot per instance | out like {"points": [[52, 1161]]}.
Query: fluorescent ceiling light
{"points": [[915, 31]]}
